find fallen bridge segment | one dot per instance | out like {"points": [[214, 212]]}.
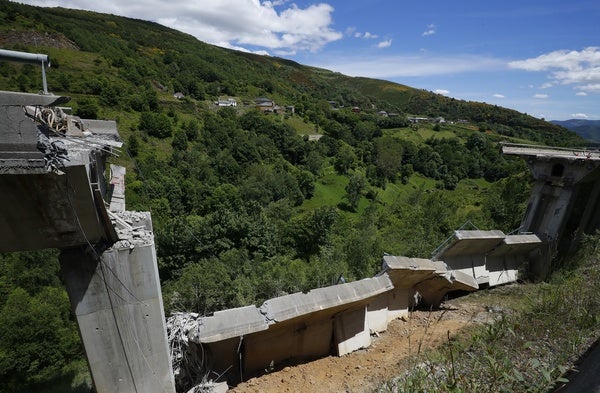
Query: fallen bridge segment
{"points": [[490, 257]]}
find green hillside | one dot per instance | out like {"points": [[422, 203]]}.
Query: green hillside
{"points": [[245, 204]]}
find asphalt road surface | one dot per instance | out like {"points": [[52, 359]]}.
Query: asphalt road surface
{"points": [[587, 377]]}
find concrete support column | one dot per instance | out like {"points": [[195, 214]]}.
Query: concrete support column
{"points": [[116, 298]]}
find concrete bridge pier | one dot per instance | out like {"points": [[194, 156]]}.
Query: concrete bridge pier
{"points": [[564, 200], [115, 296]]}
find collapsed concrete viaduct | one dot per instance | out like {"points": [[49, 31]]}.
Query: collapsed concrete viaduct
{"points": [[54, 194], [241, 343]]}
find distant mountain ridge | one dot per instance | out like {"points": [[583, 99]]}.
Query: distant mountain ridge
{"points": [[587, 129]]}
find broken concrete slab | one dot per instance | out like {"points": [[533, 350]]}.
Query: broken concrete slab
{"points": [[517, 244], [62, 177], [229, 323], [433, 290], [467, 252], [14, 98], [117, 188], [405, 272]]}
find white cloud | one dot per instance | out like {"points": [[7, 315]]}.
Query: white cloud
{"points": [[546, 85], [443, 92], [398, 66], [430, 30], [579, 116], [385, 44], [591, 87], [497, 95], [228, 23], [567, 67], [367, 35], [541, 96], [581, 93]]}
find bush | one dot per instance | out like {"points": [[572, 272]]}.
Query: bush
{"points": [[87, 109], [156, 124]]}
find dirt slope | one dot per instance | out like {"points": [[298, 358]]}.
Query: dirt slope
{"points": [[364, 370]]}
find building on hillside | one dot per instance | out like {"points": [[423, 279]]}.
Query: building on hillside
{"points": [[226, 101], [179, 95], [382, 113], [265, 104], [417, 119], [356, 109]]}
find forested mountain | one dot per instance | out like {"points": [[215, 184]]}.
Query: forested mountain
{"points": [[587, 129], [245, 204]]}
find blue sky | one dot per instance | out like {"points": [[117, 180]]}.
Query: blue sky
{"points": [[538, 57]]}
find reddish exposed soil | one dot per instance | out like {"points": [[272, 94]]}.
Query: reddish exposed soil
{"points": [[366, 369]]}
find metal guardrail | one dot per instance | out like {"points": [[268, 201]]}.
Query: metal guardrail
{"points": [[449, 239]]}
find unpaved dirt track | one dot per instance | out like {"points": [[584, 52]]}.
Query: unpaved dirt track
{"points": [[366, 369]]}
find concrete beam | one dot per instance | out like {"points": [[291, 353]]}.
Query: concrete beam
{"points": [[517, 245], [49, 211], [287, 344], [399, 300], [377, 313]]}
